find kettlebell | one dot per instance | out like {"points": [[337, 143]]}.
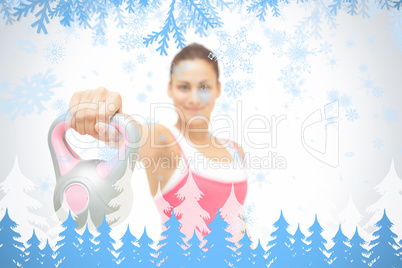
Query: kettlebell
{"points": [[93, 189]]}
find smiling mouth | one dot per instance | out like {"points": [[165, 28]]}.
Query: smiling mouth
{"points": [[194, 110]]}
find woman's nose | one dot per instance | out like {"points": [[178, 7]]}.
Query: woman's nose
{"points": [[194, 98]]}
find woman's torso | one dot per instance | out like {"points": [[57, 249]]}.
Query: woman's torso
{"points": [[214, 170]]}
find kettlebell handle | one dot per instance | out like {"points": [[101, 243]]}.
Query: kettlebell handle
{"points": [[65, 159]]}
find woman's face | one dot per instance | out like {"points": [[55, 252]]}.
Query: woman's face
{"points": [[194, 89]]}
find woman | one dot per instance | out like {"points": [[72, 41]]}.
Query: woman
{"points": [[194, 87]]}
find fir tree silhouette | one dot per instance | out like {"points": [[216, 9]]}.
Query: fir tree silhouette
{"points": [[246, 258], [145, 252], [68, 252], [47, 256], [220, 250], [315, 250], [279, 253], [190, 213], [128, 249], [259, 253], [103, 250], [9, 246], [357, 254], [382, 254], [195, 255], [339, 251], [298, 249], [87, 248], [32, 252], [171, 253]]}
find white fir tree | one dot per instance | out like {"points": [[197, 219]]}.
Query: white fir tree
{"points": [[390, 189], [192, 215], [21, 205], [350, 218], [162, 205], [232, 212]]}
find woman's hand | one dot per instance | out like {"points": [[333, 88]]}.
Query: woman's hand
{"points": [[90, 110]]}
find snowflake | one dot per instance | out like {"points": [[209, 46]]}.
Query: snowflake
{"points": [[60, 105], [363, 68], [54, 52], [99, 36], [378, 91], [297, 50], [141, 97], [225, 107], [246, 216], [233, 88], [149, 87], [32, 94], [108, 156], [333, 95], [378, 143], [162, 137], [277, 38], [350, 43], [326, 47], [138, 42], [178, 69], [292, 81], [129, 66], [249, 84], [136, 22], [389, 115], [345, 101], [351, 114], [149, 74], [26, 46], [235, 52], [371, 40], [45, 185], [141, 58], [126, 42], [333, 62], [260, 177], [203, 95]]}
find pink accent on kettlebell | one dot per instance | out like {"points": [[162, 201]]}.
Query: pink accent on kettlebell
{"points": [[76, 197], [70, 157]]}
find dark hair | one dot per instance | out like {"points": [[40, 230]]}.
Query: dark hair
{"points": [[195, 51]]}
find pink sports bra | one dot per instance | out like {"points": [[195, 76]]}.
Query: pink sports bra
{"points": [[214, 182]]}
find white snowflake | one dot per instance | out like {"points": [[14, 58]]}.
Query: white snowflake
{"points": [[378, 143], [235, 52], [141, 58], [378, 91], [108, 156], [389, 115], [126, 42], [141, 97], [54, 52], [129, 66], [45, 185], [32, 94], [203, 95], [136, 22], [233, 88], [260, 177], [60, 106], [351, 114]]}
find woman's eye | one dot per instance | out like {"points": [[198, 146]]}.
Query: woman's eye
{"points": [[183, 87]]}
